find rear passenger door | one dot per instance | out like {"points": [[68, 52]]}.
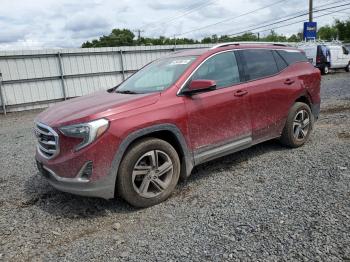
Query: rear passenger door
{"points": [[219, 120], [269, 91]]}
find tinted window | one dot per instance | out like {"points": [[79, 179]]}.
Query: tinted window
{"points": [[323, 54], [281, 64], [258, 63], [345, 51], [293, 56], [222, 68]]}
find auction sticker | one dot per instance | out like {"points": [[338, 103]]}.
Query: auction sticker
{"points": [[180, 62]]}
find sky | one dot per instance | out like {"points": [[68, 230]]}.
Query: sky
{"points": [[36, 24]]}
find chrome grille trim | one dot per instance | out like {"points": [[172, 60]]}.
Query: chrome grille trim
{"points": [[48, 141]]}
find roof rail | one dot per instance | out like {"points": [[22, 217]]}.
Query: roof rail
{"points": [[247, 43]]}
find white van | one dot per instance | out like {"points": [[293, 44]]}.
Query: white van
{"points": [[327, 56]]}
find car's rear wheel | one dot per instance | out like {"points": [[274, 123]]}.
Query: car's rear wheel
{"points": [[148, 172], [298, 126], [325, 70]]}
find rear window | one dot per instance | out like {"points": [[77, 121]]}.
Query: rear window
{"points": [[258, 63], [292, 56]]}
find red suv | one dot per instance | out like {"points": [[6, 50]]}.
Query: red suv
{"points": [[139, 138]]}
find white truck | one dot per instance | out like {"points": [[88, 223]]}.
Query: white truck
{"points": [[326, 56]]}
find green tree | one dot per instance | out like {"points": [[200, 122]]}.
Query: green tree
{"points": [[343, 29], [327, 33], [294, 38], [274, 37], [118, 37], [339, 30]]}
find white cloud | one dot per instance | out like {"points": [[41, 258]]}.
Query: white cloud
{"points": [[68, 23]]}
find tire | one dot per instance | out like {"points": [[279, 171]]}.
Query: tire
{"points": [[296, 132], [325, 70], [145, 180], [347, 69]]}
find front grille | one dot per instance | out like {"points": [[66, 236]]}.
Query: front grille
{"points": [[48, 145]]}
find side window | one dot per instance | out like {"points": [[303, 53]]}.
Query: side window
{"points": [[222, 68], [281, 64], [293, 56], [345, 51], [258, 63]]}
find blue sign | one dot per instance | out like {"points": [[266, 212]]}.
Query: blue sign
{"points": [[310, 30]]}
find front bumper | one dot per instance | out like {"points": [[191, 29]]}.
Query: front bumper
{"points": [[103, 187], [65, 171]]}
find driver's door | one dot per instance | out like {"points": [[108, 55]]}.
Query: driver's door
{"points": [[219, 120]]}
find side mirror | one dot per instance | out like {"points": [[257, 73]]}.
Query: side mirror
{"points": [[200, 86]]}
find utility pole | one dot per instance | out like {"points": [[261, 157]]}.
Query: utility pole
{"points": [[310, 10], [139, 31]]}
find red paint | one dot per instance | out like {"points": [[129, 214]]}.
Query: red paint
{"points": [[201, 84], [257, 107]]}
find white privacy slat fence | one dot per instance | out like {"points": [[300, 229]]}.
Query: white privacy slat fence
{"points": [[38, 78]]}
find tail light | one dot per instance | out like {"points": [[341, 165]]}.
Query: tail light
{"points": [[318, 59]]}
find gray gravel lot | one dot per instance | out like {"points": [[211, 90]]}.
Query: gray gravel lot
{"points": [[264, 203]]}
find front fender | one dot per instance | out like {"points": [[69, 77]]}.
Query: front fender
{"points": [[187, 162]]}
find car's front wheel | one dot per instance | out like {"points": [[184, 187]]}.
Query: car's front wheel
{"points": [[148, 172], [298, 126], [347, 68]]}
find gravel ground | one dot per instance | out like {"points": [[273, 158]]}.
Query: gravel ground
{"points": [[264, 203]]}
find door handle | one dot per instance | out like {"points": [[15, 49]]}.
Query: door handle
{"points": [[289, 81], [241, 92]]}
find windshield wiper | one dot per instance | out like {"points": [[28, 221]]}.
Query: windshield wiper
{"points": [[126, 92]]}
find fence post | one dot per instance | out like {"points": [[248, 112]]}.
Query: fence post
{"points": [[122, 63], [2, 96], [62, 76]]}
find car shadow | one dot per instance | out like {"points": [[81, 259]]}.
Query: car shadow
{"points": [[39, 193], [227, 163]]}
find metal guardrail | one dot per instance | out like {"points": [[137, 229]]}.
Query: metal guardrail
{"points": [[20, 87], [2, 96]]}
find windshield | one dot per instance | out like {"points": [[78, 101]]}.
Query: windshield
{"points": [[156, 76]]}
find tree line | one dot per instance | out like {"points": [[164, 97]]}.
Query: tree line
{"points": [[124, 37]]}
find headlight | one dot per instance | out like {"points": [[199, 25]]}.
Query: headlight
{"points": [[89, 132]]}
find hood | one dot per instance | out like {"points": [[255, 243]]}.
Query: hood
{"points": [[93, 106]]}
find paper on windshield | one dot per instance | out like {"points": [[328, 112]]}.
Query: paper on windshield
{"points": [[180, 62]]}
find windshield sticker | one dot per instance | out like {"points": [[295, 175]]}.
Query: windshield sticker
{"points": [[180, 62]]}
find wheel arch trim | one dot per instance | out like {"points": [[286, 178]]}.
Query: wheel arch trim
{"points": [[187, 161]]}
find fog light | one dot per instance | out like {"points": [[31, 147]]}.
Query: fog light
{"points": [[87, 170]]}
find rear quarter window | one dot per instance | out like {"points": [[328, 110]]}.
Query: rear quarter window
{"points": [[292, 56], [281, 64]]}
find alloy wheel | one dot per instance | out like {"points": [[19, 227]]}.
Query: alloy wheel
{"points": [[152, 173], [301, 125]]}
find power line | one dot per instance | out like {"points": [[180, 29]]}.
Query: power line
{"points": [[244, 14], [297, 13], [300, 21], [287, 19], [232, 18]]}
